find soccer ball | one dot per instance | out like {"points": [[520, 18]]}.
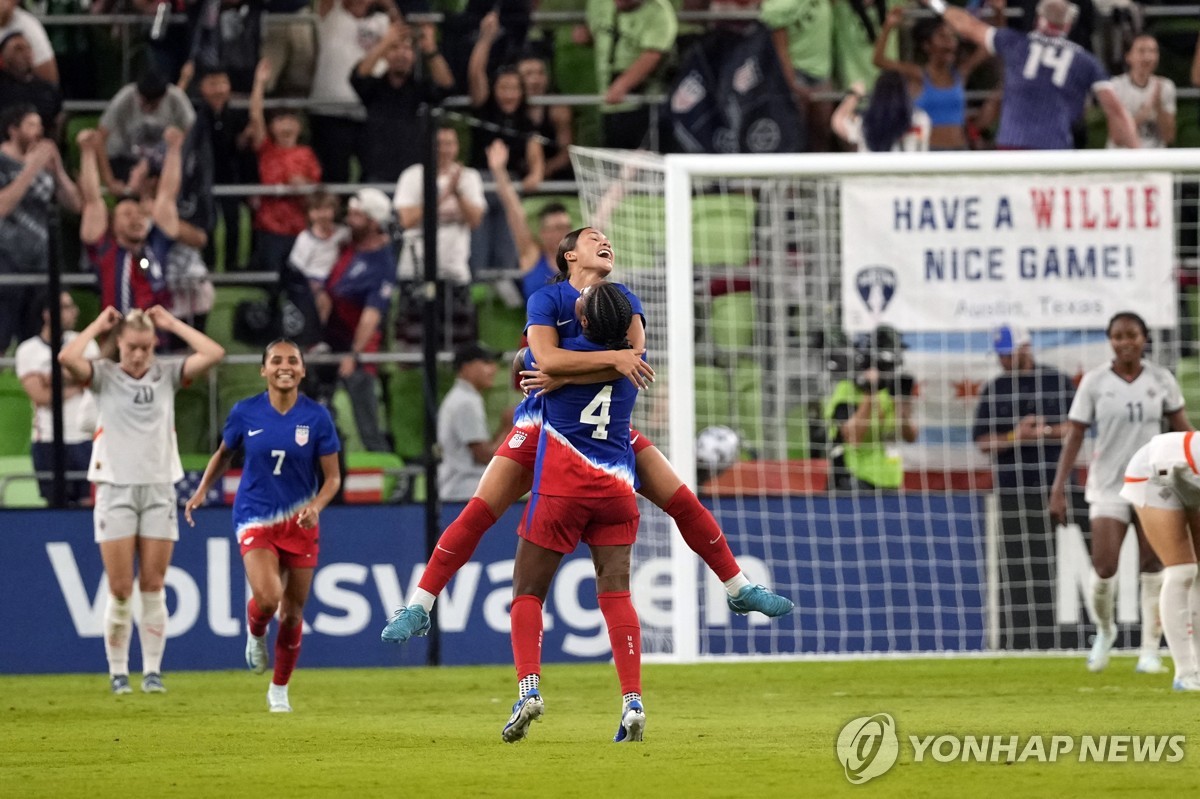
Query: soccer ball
{"points": [[717, 448]]}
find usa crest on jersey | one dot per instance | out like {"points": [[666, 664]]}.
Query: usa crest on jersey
{"points": [[302, 434], [517, 440]]}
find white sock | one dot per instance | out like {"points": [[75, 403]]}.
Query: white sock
{"points": [[527, 683], [152, 630], [423, 598], [1151, 620], [118, 629], [735, 584], [1195, 607], [1178, 582], [1103, 596]]}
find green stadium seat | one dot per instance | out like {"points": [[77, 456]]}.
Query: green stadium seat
{"points": [[732, 320], [220, 318], [191, 418], [500, 327], [16, 416], [712, 397], [406, 409], [637, 229], [797, 422], [1187, 372], [722, 230], [748, 398], [343, 417], [392, 466], [235, 382], [89, 306], [18, 483]]}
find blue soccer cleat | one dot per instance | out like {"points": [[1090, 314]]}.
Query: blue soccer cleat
{"points": [[633, 722], [757, 597], [405, 623], [120, 684], [525, 712], [257, 657]]}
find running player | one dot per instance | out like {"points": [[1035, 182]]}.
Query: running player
{"points": [[584, 257], [135, 465], [289, 441], [1162, 483], [583, 489], [1127, 400]]}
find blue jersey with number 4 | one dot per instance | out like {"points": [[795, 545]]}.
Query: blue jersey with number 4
{"points": [[1046, 83], [585, 449], [283, 454]]}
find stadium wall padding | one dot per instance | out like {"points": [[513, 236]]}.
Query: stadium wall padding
{"points": [[52, 591]]}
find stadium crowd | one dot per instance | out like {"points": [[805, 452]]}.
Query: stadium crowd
{"points": [[331, 98]]}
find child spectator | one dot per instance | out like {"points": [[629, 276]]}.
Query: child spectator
{"points": [[317, 248], [283, 161]]}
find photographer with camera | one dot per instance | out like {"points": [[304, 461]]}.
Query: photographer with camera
{"points": [[869, 413]]}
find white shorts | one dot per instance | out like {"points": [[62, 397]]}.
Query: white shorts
{"points": [[148, 510], [1111, 506]]}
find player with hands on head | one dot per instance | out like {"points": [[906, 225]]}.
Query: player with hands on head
{"points": [[135, 465], [290, 475], [584, 257], [1127, 400]]}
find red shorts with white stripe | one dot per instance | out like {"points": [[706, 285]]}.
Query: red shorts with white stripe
{"points": [[560, 523], [522, 443], [295, 546]]}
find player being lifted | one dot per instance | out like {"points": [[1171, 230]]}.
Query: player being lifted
{"points": [[584, 257], [1127, 400], [289, 440], [583, 489]]}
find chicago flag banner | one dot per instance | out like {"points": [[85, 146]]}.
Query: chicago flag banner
{"points": [[1042, 251]]}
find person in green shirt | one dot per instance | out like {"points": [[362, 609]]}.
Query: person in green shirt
{"points": [[803, 34], [869, 414], [633, 40]]}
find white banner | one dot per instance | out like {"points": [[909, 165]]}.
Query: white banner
{"points": [[1042, 251]]}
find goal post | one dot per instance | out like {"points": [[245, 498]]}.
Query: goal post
{"points": [[761, 273]]}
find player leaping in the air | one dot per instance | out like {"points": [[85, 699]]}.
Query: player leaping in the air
{"points": [[583, 489], [585, 257]]}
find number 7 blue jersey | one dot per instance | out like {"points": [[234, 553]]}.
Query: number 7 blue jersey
{"points": [[283, 453], [585, 449]]}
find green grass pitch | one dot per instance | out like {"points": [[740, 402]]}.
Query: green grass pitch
{"points": [[725, 729]]}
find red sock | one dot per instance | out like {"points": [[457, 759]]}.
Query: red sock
{"points": [[256, 619], [287, 652], [456, 545], [625, 635], [526, 617], [702, 533]]}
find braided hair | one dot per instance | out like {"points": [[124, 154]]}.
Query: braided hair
{"points": [[560, 258], [608, 314]]}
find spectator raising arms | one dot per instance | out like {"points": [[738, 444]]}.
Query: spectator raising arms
{"points": [[1047, 78], [282, 160], [939, 86], [502, 116], [31, 178], [129, 256], [1149, 98], [346, 31], [393, 128]]}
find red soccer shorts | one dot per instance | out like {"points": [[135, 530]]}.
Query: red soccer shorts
{"points": [[295, 546], [521, 445], [560, 523]]}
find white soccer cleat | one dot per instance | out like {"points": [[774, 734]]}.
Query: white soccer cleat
{"points": [[1102, 646], [524, 712], [277, 699], [1150, 663], [256, 653], [633, 722], [1187, 682]]}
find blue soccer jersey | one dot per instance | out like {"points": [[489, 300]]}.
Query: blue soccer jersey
{"points": [[554, 306], [585, 448], [1046, 83], [283, 454]]}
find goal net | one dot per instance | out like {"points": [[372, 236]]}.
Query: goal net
{"points": [[843, 315]]}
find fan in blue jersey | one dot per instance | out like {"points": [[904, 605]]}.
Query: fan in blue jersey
{"points": [[1047, 78], [583, 490], [290, 474]]}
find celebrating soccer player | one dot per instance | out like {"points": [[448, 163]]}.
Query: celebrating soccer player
{"points": [[289, 441], [584, 258]]}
